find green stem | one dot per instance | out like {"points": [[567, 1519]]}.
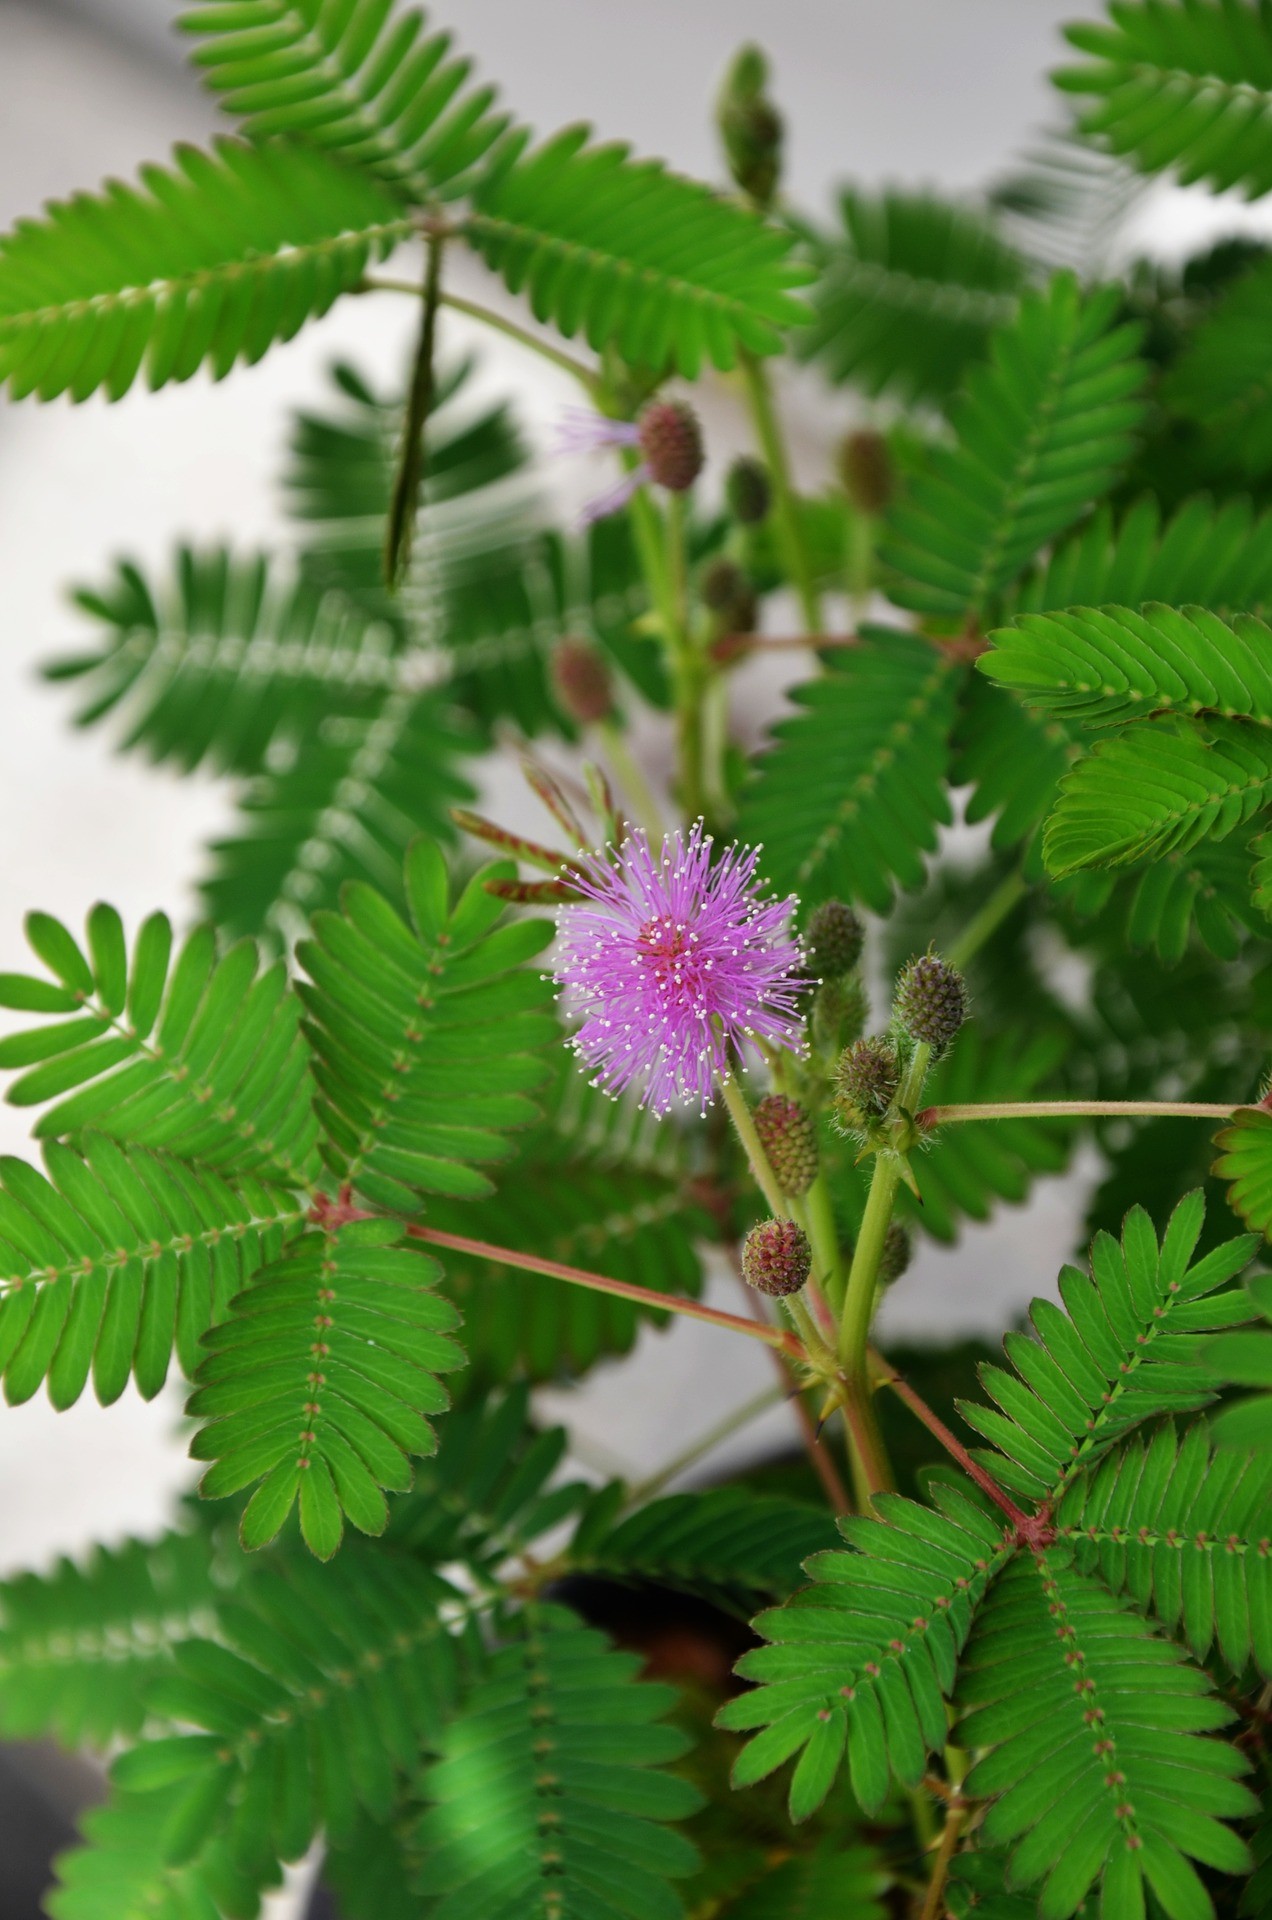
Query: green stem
{"points": [[632, 780], [863, 529], [753, 1147], [790, 532], [983, 925], [1075, 1110], [723, 1430], [575, 368], [823, 1232]]}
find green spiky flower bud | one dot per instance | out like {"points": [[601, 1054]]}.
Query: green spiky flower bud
{"points": [[750, 127], [729, 594], [866, 1079], [833, 938], [786, 1134], [776, 1258], [931, 1002], [898, 1249], [840, 1012], [747, 491]]}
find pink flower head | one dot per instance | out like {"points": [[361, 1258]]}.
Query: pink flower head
{"points": [[675, 963], [666, 436]]}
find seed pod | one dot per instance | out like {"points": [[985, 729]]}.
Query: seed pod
{"points": [[581, 680], [931, 1002], [898, 1249], [834, 939], [786, 1134], [776, 1257], [866, 1079], [747, 492], [671, 444], [865, 467]]}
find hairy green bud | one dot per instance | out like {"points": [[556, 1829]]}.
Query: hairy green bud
{"points": [[931, 1002], [787, 1136], [833, 938], [865, 467], [750, 127], [729, 594], [776, 1257], [840, 1012], [748, 492], [866, 1078], [898, 1250]]}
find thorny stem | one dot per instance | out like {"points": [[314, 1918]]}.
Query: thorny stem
{"points": [[790, 533], [931, 1117], [600, 1283], [378, 283]]}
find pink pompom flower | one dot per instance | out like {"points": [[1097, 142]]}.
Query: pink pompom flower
{"points": [[667, 438], [677, 962]]}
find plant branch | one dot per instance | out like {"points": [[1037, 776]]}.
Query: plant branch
{"points": [[757, 1159], [785, 506], [379, 283], [934, 1898], [1002, 902], [931, 1117], [600, 1283], [886, 1375]]}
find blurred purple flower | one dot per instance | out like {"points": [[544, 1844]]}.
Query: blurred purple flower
{"points": [[675, 964]]}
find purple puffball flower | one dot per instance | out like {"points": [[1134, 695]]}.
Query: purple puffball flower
{"points": [[675, 963], [667, 437]]}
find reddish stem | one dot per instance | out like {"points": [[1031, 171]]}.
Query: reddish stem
{"points": [[1030, 1527], [788, 1343]]}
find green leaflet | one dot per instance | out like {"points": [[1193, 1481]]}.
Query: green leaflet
{"points": [[1220, 380], [80, 1645], [197, 1055], [1245, 1162], [1208, 554], [318, 1383], [634, 257], [427, 1036], [208, 262], [848, 798], [564, 1741], [1039, 433], [1184, 1530], [359, 79], [863, 1660], [1114, 663], [1121, 1353], [119, 1258], [1097, 1764], [121, 1871], [1156, 789], [908, 294], [1185, 86]]}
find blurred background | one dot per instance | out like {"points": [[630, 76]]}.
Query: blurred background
{"points": [[947, 92]]}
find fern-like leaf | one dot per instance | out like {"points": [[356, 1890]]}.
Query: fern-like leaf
{"points": [[565, 1741], [208, 262], [1208, 554], [1122, 1351], [197, 1056], [865, 1658], [849, 797], [318, 1383], [1245, 1162], [1220, 380], [909, 293], [359, 79], [1040, 432], [1096, 1759], [1181, 84], [1156, 789], [1186, 1531], [425, 1036], [122, 1869], [634, 257]]}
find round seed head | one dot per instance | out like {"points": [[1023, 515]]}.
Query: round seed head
{"points": [[866, 1079], [834, 939], [776, 1257], [747, 492], [581, 680], [931, 1002], [786, 1134], [897, 1252], [670, 441], [865, 467]]}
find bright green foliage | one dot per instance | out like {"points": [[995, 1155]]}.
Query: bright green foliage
{"points": [[79, 1646], [1096, 1760], [848, 799], [1198, 1551], [1040, 432], [549, 1789], [358, 78], [725, 1544], [909, 293], [317, 1383], [1244, 1359], [119, 1257], [867, 1656], [1221, 378], [345, 808], [1208, 889], [1120, 1353], [1014, 762], [977, 1889], [1156, 789], [312, 1704], [833, 1880], [1113, 664], [632, 256], [227, 662], [208, 262], [425, 1035], [1207, 554], [1245, 1162], [1182, 84], [968, 1169], [122, 1871], [195, 1055]]}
